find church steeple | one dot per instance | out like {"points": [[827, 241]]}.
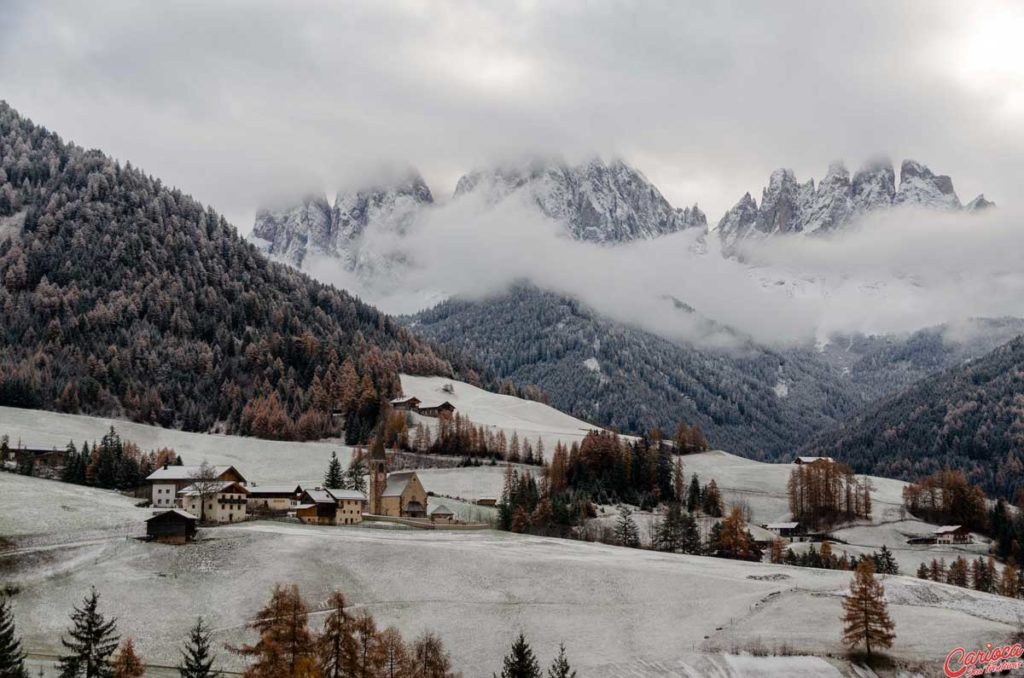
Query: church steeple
{"points": [[378, 473]]}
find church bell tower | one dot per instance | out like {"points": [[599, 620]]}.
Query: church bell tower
{"points": [[378, 475]]}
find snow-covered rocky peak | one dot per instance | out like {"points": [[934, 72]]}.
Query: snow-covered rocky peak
{"points": [[314, 227], [595, 201], [918, 186], [788, 206], [978, 204]]}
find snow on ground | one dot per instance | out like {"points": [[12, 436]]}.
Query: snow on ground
{"points": [[621, 612], [260, 461], [528, 418]]}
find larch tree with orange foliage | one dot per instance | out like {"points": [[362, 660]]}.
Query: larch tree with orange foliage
{"points": [[866, 618]]}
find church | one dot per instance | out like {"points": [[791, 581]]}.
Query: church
{"points": [[399, 495]]}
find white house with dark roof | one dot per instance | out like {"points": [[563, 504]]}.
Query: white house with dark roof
{"points": [[168, 480], [222, 501]]}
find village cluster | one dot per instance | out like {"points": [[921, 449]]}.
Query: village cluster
{"points": [[189, 495]]}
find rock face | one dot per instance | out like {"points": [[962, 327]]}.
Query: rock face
{"points": [[596, 201], [314, 227], [787, 206]]}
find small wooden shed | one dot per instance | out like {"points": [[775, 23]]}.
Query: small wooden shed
{"points": [[172, 527]]}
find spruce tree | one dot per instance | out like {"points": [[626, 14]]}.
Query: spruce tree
{"points": [[196, 659], [520, 661], [691, 535], [626, 531], [12, 657], [693, 496], [670, 534], [560, 667], [334, 478], [866, 619], [89, 642]]}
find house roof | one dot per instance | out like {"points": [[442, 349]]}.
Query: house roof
{"points": [[321, 496], [438, 406], [946, 529], [221, 486], [782, 526], [176, 512], [185, 472], [404, 399], [442, 510], [340, 494], [277, 490], [811, 460], [397, 483]]}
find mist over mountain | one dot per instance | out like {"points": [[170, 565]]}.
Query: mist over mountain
{"points": [[788, 206]]}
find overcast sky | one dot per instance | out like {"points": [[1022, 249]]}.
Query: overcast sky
{"points": [[242, 102]]}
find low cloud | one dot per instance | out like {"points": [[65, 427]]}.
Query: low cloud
{"points": [[894, 272]]}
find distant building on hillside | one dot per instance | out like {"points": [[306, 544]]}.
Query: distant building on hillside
{"points": [[37, 458], [813, 460], [225, 501], [436, 410], [167, 481], [172, 527], [787, 530], [952, 534], [406, 403], [442, 514]]}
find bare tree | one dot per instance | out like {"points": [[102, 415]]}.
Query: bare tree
{"points": [[205, 484]]}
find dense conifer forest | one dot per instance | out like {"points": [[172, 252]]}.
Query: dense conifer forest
{"points": [[969, 418], [121, 296]]}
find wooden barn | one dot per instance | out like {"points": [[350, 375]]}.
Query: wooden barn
{"points": [[436, 410], [172, 527], [408, 403]]}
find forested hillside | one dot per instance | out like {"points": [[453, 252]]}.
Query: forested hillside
{"points": [[121, 296], [754, 401], [970, 418]]}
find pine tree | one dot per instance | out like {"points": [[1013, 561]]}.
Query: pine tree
{"points": [[196, 660], [922, 571], [711, 500], [12, 658], [670, 535], [693, 496], [691, 536], [560, 667], [866, 619], [886, 562], [90, 642], [356, 479], [520, 661], [126, 663], [626, 531], [334, 478]]}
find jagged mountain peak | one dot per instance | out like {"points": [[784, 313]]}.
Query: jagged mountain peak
{"points": [[596, 200], [787, 206], [313, 226]]}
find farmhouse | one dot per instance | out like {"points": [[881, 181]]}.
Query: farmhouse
{"points": [[952, 534], [408, 403], [172, 527], [787, 530], [273, 498], [813, 460], [317, 507], [221, 501], [166, 482], [37, 458], [351, 504], [436, 410]]}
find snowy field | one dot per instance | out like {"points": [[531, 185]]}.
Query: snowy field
{"points": [[528, 418], [620, 612]]}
